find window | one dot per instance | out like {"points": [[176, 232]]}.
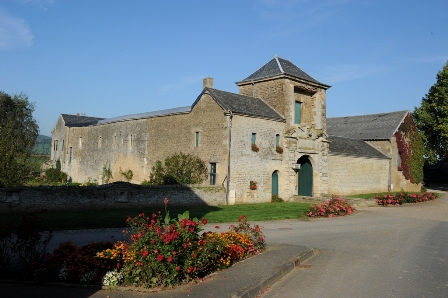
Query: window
{"points": [[80, 142], [212, 173], [297, 112], [399, 159], [277, 140], [62, 145], [55, 145], [70, 155], [254, 138], [197, 139]]}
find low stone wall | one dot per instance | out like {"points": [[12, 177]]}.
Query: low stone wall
{"points": [[119, 194], [356, 202]]}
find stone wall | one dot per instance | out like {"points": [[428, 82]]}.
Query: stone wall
{"points": [[354, 175], [136, 144], [114, 195]]}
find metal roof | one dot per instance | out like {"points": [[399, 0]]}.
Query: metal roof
{"points": [[181, 110]]}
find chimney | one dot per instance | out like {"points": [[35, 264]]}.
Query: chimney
{"points": [[207, 82]]}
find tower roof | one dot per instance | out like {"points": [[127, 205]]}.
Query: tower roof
{"points": [[277, 67]]}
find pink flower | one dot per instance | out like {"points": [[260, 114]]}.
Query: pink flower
{"points": [[330, 215]]}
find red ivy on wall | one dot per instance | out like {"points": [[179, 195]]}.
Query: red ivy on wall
{"points": [[410, 147]]}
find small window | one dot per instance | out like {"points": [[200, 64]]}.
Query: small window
{"points": [[80, 142], [62, 145], [197, 139], [130, 141], [55, 145], [399, 159], [254, 138], [212, 173], [70, 155], [100, 142], [277, 140], [297, 112]]}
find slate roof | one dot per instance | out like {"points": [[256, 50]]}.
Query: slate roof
{"points": [[279, 66], [366, 127], [353, 147], [78, 121], [241, 104]]}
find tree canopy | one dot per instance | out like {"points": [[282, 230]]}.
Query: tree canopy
{"points": [[431, 118], [18, 132]]}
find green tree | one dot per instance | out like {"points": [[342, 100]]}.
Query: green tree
{"points": [[18, 132], [431, 118]]}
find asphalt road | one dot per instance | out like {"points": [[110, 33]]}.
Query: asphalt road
{"points": [[378, 252]]}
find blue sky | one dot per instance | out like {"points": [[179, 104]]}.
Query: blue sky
{"points": [[112, 58]]}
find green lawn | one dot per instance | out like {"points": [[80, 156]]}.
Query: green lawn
{"points": [[113, 218]]}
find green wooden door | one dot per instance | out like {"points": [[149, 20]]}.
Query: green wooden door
{"points": [[275, 183], [306, 179]]}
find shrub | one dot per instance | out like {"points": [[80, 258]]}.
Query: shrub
{"points": [[179, 168], [276, 199], [279, 149], [127, 175], [26, 244], [53, 175], [336, 206]]}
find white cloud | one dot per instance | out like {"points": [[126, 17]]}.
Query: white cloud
{"points": [[182, 82], [14, 32]]}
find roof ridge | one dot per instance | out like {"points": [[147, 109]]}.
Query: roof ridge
{"points": [[278, 63], [363, 115]]}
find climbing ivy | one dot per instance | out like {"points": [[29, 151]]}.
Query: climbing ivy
{"points": [[411, 149]]}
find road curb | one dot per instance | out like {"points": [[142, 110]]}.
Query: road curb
{"points": [[254, 289]]}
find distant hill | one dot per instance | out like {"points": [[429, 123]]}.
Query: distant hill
{"points": [[41, 139], [42, 146]]}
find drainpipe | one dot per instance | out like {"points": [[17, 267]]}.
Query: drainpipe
{"points": [[229, 140]]}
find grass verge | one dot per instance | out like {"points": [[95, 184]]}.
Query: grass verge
{"points": [[57, 220]]}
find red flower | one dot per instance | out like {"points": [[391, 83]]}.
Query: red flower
{"points": [[170, 259], [165, 201], [139, 264], [145, 253], [153, 241], [141, 214], [190, 269], [195, 256], [216, 227], [160, 258], [177, 268], [204, 221]]}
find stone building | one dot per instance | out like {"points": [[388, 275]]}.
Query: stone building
{"points": [[272, 134], [364, 150]]}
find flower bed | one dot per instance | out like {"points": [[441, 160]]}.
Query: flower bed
{"points": [[166, 252], [161, 251], [403, 198], [336, 206]]}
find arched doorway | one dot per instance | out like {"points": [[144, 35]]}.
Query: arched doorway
{"points": [[275, 183], [305, 177]]}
